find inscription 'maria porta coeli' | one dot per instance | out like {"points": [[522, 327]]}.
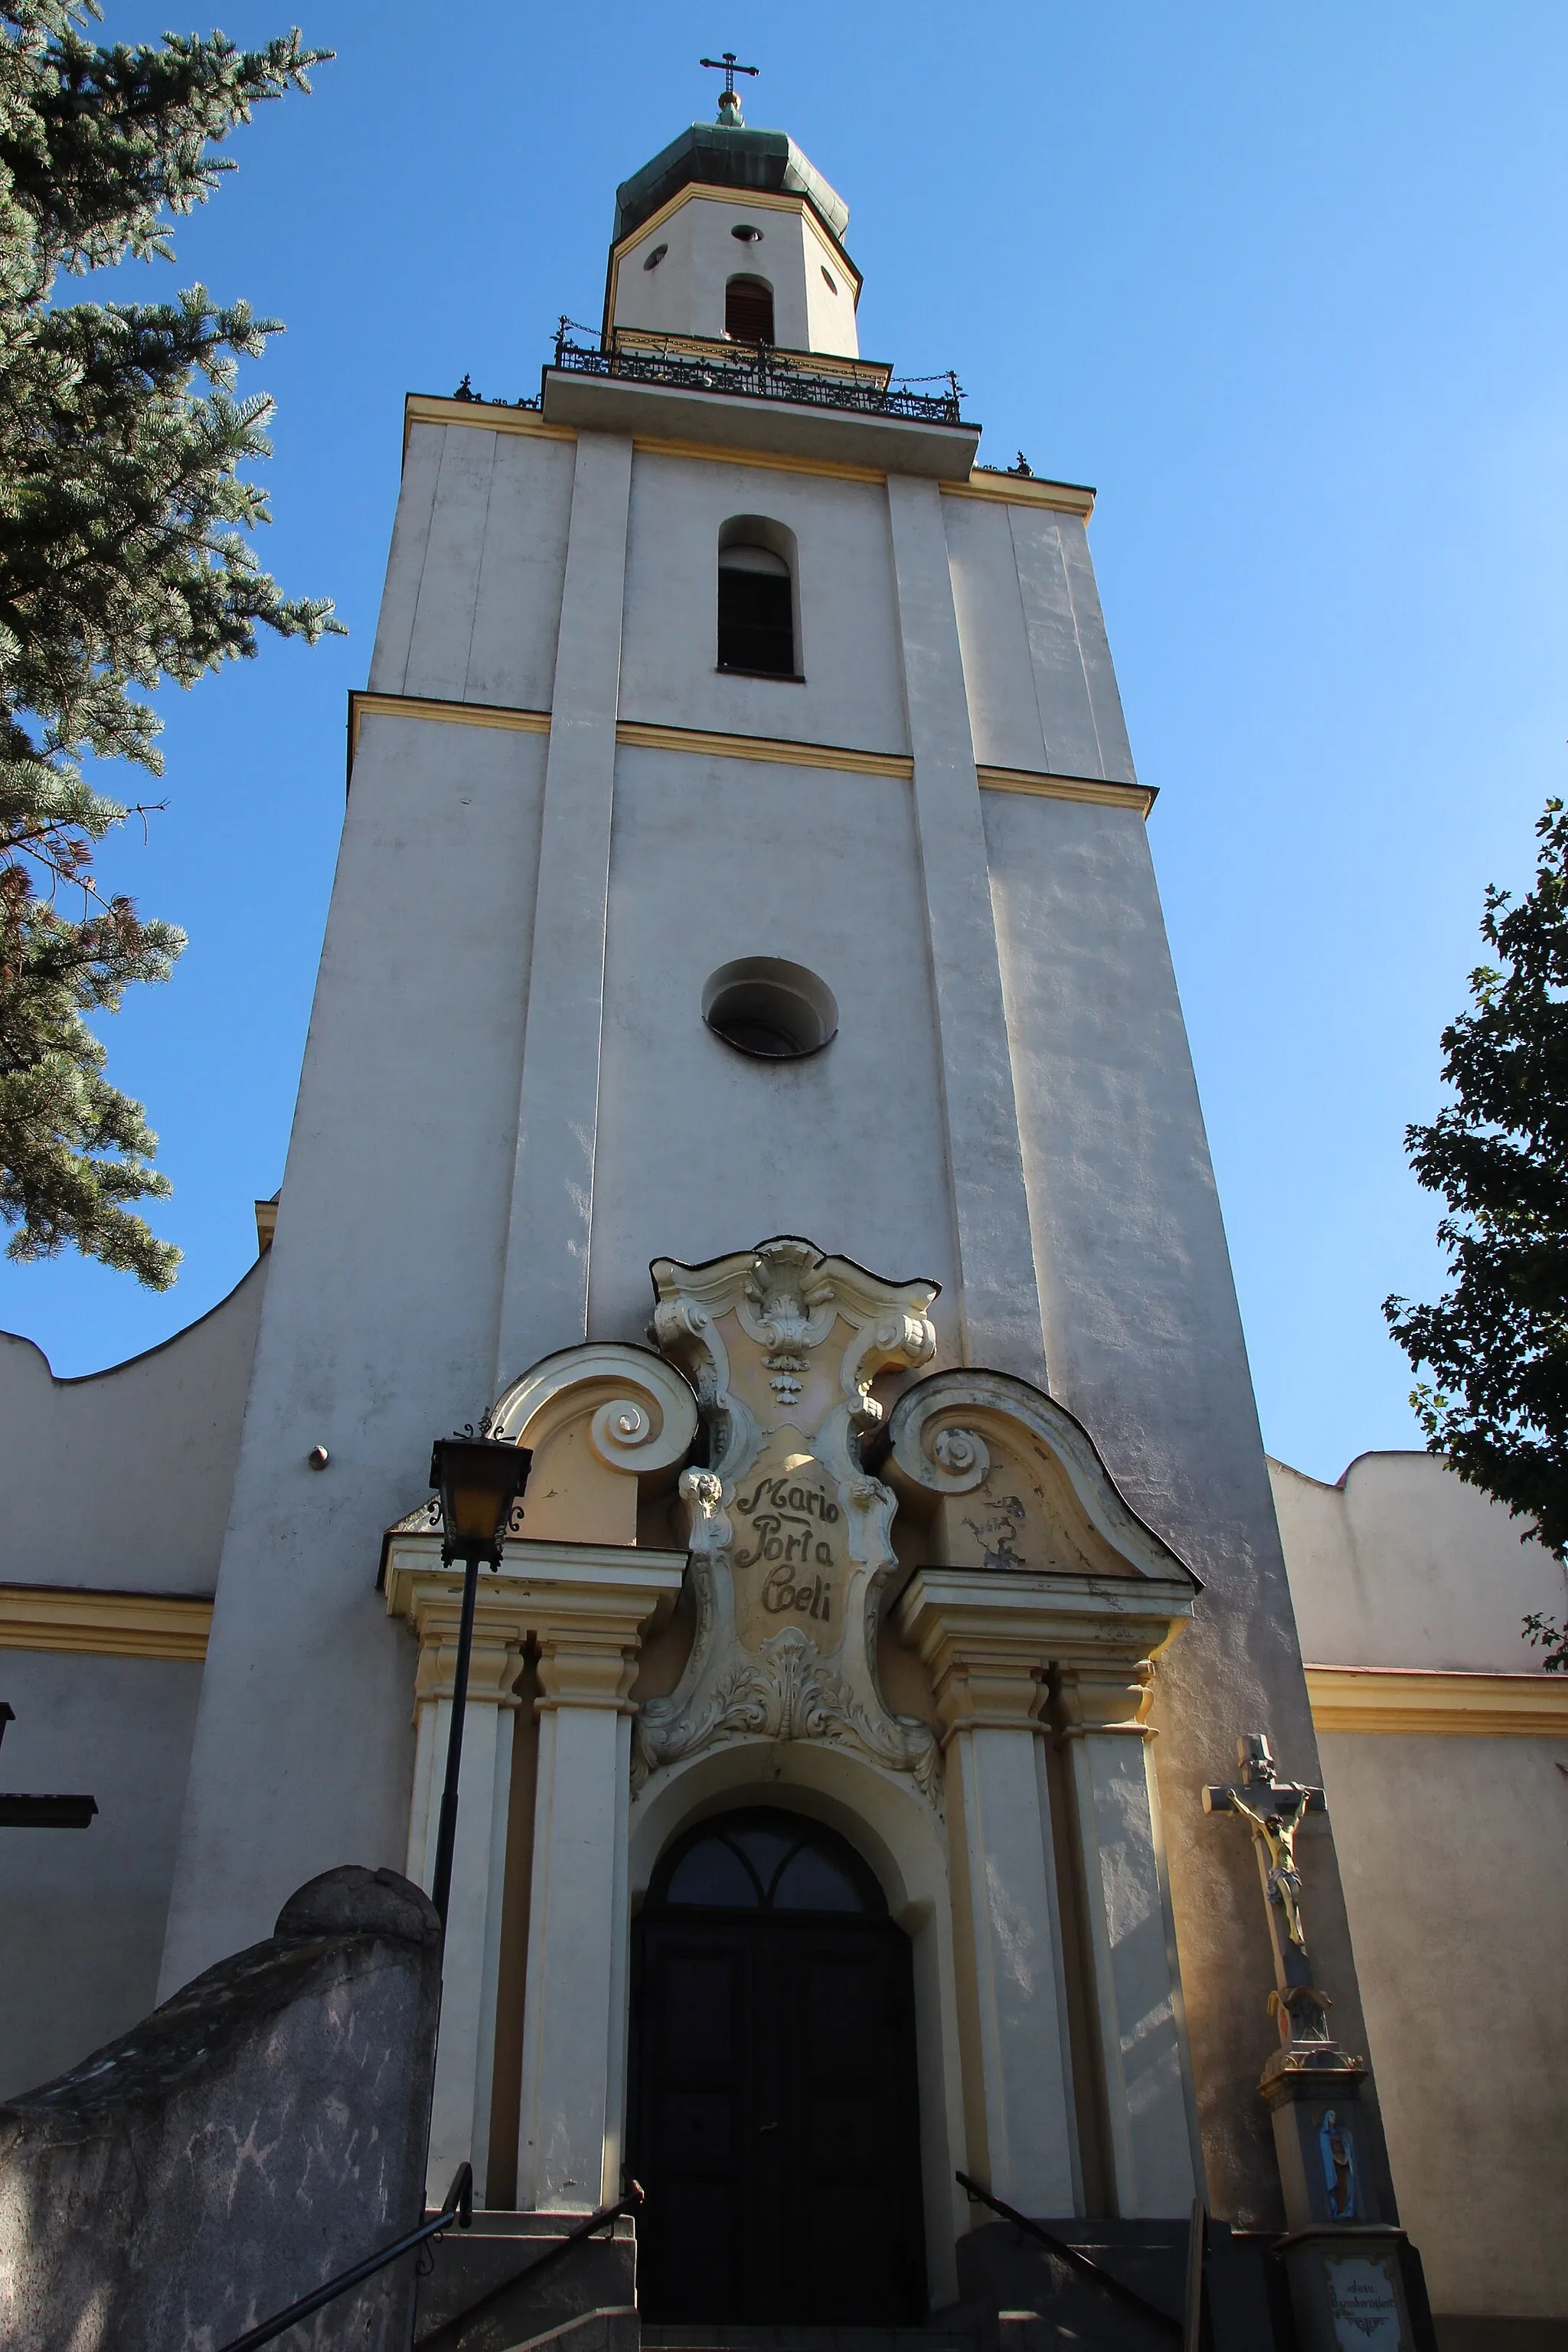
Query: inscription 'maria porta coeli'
{"points": [[789, 1558], [790, 1535]]}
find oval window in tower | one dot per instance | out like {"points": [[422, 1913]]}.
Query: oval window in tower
{"points": [[777, 1011], [749, 311], [656, 256]]}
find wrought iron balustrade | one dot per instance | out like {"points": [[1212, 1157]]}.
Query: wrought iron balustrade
{"points": [[759, 372]]}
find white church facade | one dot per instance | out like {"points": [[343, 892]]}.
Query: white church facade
{"points": [[746, 1068]]}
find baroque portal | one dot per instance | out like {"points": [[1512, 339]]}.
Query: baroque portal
{"points": [[790, 1534]]}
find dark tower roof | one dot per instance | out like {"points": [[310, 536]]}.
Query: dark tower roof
{"points": [[713, 155]]}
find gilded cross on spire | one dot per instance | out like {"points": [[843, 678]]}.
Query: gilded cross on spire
{"points": [[729, 96]]}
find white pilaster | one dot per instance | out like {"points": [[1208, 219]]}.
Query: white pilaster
{"points": [[1132, 1938], [545, 1302], [998, 1292], [571, 2118], [990, 1639], [465, 2056], [585, 1606], [1019, 2129]]}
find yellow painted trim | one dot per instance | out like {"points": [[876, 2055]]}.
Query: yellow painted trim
{"points": [[649, 444], [494, 416], [103, 1624], [634, 733], [1412, 1700], [491, 415], [457, 714], [647, 735], [1068, 788], [1024, 490]]}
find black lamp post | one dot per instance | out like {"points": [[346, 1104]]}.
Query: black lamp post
{"points": [[479, 1479]]}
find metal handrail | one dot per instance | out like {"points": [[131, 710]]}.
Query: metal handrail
{"points": [[459, 2207], [1071, 2254], [574, 2237], [757, 372]]}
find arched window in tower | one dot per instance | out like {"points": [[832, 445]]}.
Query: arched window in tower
{"points": [[749, 311], [756, 597]]}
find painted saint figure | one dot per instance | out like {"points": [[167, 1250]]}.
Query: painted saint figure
{"points": [[1339, 2167]]}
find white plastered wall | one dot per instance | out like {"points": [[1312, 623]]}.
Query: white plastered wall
{"points": [[119, 1482], [1144, 1344], [848, 649], [472, 600], [380, 1330], [81, 1924], [1402, 1564], [1037, 662], [1452, 1851], [683, 294], [702, 1149]]}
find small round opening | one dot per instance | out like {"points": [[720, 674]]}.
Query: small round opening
{"points": [[778, 1012], [746, 235], [829, 281], [656, 256]]}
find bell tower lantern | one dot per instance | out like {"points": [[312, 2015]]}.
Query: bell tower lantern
{"points": [[732, 235]]}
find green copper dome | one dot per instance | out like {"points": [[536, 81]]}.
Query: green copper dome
{"points": [[714, 155]]}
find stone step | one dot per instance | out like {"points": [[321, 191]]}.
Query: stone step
{"points": [[683, 2336]]}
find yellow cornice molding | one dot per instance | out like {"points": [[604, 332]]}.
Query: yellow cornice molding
{"points": [[1024, 490], [456, 714], [1418, 1700], [772, 751], [496, 416], [767, 461], [768, 748], [633, 733], [103, 1624], [493, 415], [424, 408], [1139, 797]]}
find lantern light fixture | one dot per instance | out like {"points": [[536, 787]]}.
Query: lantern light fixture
{"points": [[479, 1480]]}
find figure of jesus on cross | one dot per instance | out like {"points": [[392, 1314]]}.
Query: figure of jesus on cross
{"points": [[1275, 1810]]}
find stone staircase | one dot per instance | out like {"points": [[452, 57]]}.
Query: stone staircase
{"points": [[685, 2337], [1017, 2298]]}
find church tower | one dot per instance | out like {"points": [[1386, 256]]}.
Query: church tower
{"points": [[746, 1065]]}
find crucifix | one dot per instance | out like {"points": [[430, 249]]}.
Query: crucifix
{"points": [[728, 98], [1333, 2174], [41, 1813], [1274, 1810]]}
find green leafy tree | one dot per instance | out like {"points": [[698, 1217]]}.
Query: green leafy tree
{"points": [[122, 562], [1497, 1344]]}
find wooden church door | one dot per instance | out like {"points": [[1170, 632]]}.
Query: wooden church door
{"points": [[773, 2119]]}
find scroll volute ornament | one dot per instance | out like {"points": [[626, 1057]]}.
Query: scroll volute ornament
{"points": [[790, 1535], [1008, 1480], [608, 1425]]}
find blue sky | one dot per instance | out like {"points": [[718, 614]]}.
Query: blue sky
{"points": [[1285, 284]]}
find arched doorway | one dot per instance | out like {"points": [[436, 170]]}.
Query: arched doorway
{"points": [[773, 2118]]}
